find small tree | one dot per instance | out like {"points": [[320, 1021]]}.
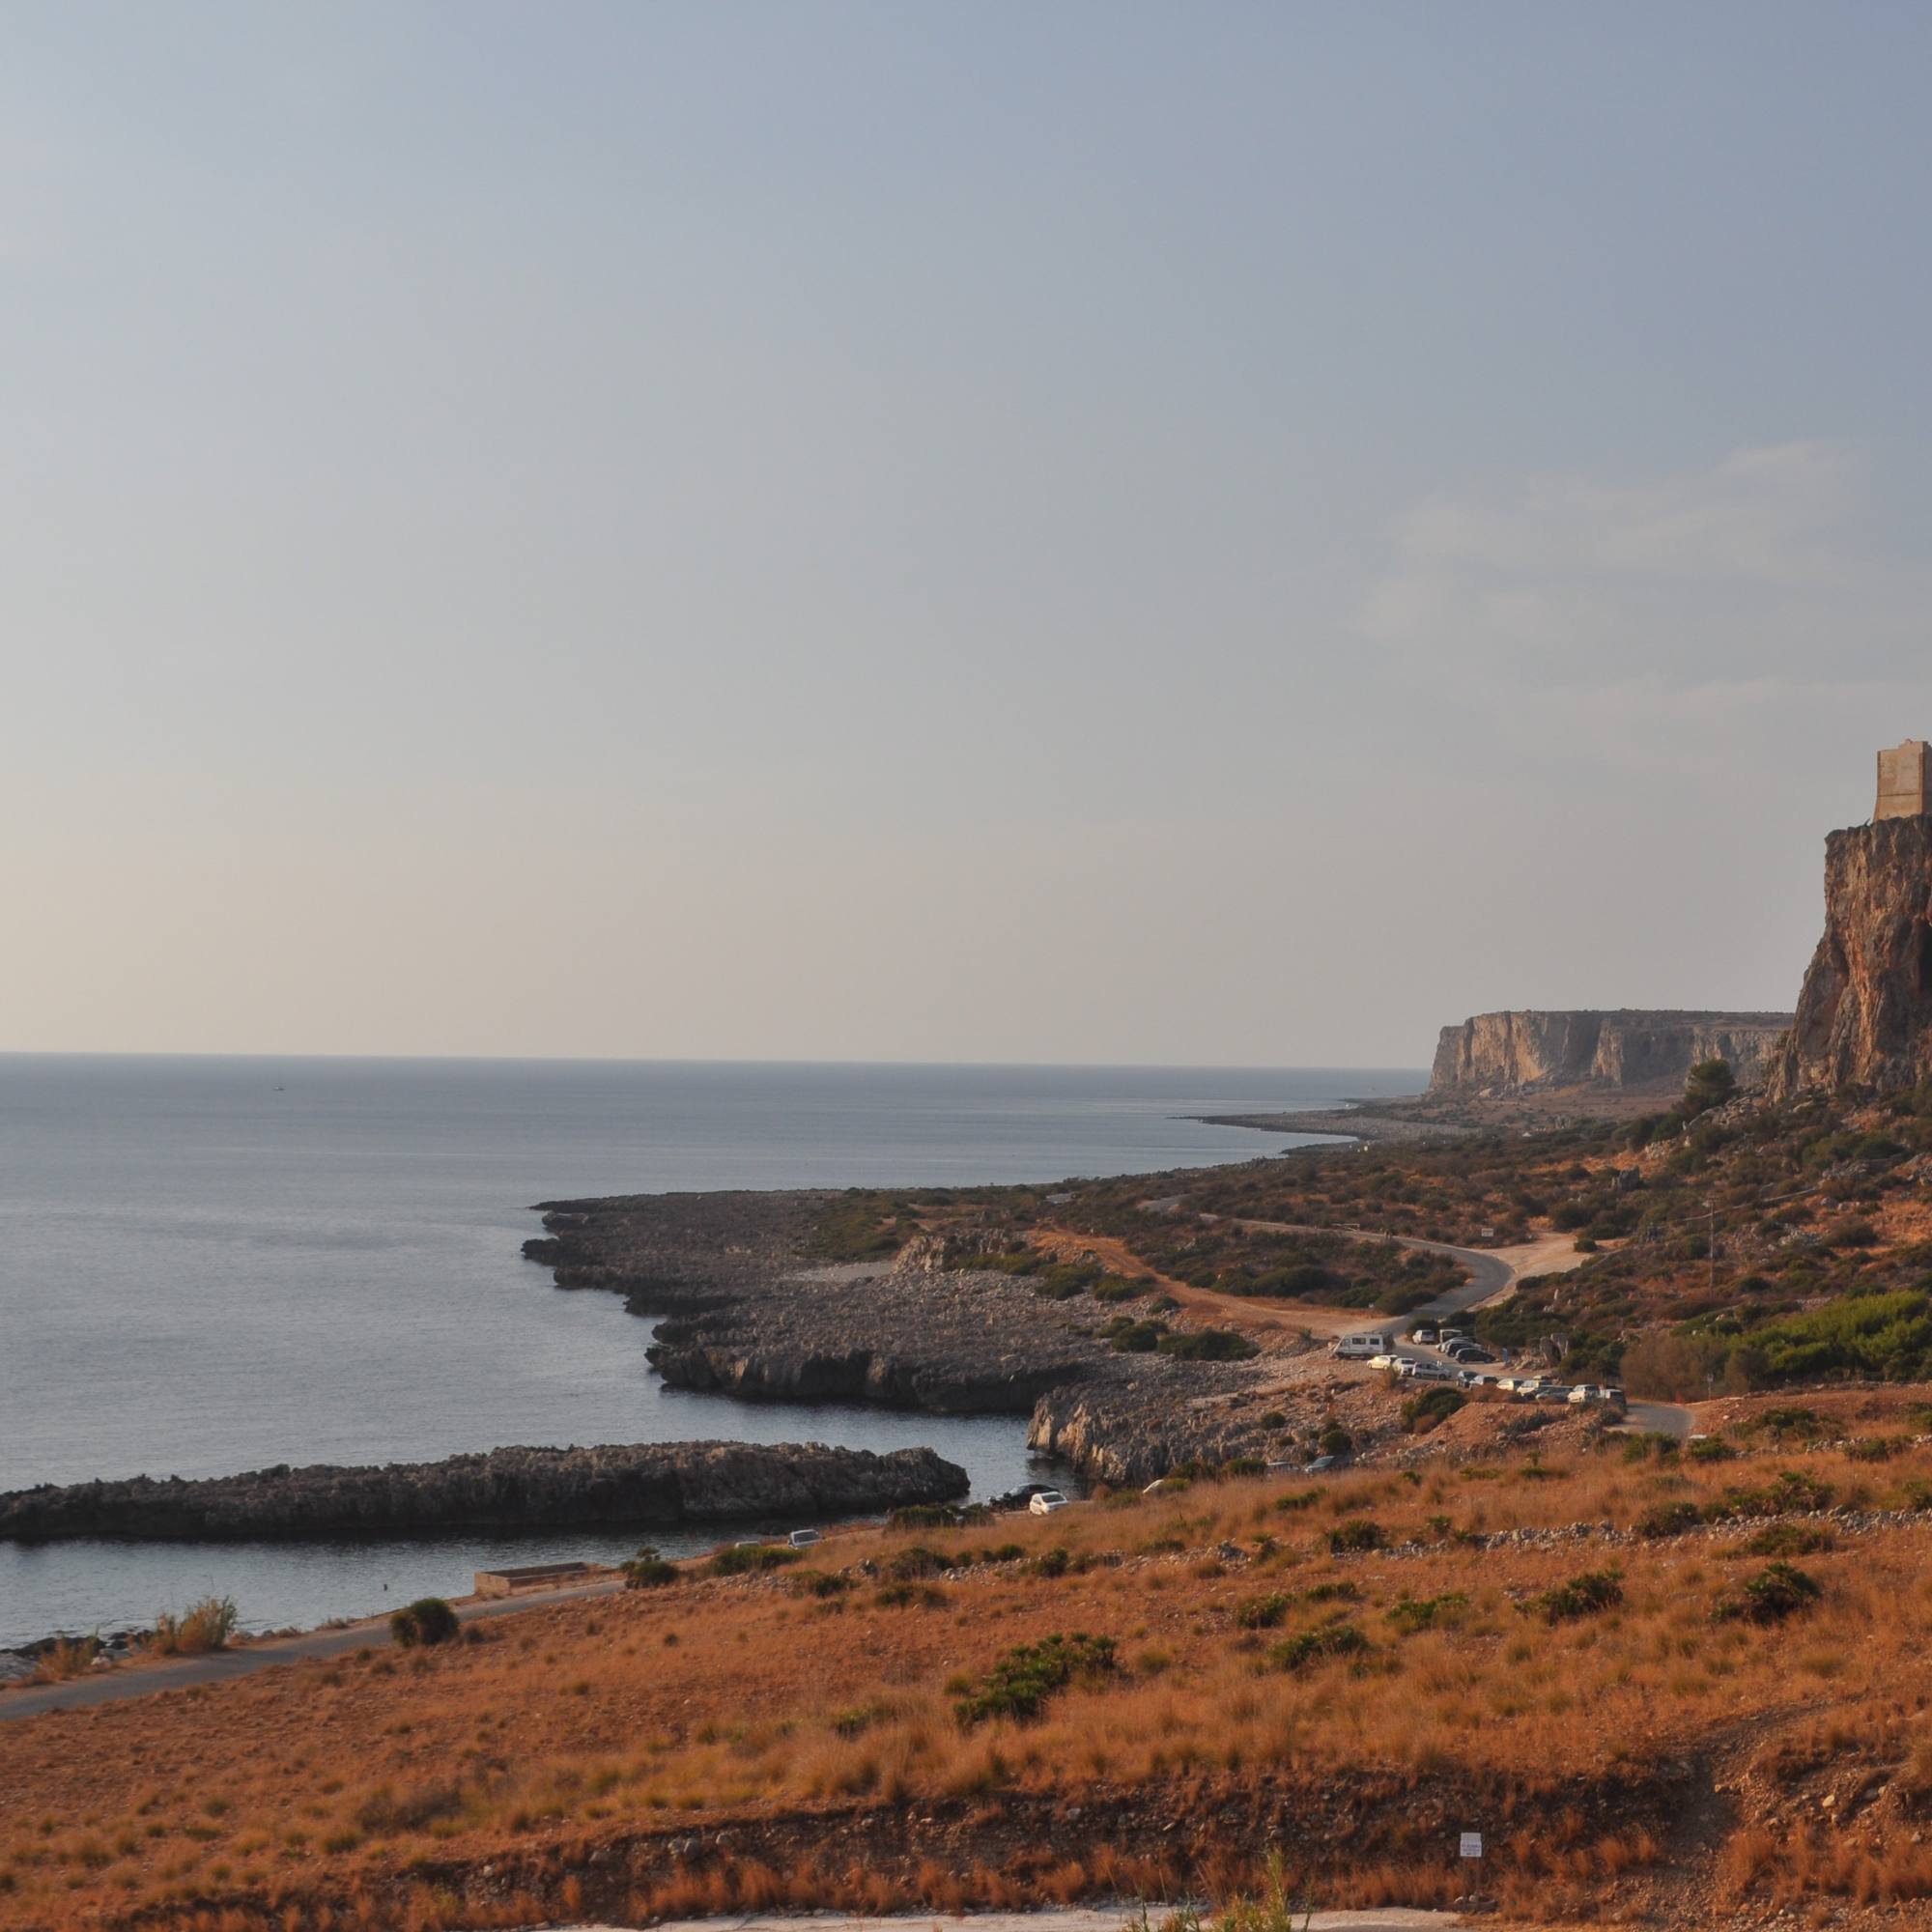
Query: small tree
{"points": [[1710, 1084], [429, 1620]]}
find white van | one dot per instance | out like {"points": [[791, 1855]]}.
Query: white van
{"points": [[1359, 1348]]}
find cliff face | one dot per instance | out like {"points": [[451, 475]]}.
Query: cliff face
{"points": [[1506, 1052], [1864, 1017]]}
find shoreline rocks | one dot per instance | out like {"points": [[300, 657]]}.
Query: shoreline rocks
{"points": [[653, 1483]]}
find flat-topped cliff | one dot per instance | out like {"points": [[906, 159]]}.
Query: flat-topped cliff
{"points": [[1864, 1014], [1506, 1052]]}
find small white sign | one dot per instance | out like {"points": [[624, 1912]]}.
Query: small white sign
{"points": [[1473, 1844]]}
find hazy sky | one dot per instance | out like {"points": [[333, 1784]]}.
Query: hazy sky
{"points": [[995, 531]]}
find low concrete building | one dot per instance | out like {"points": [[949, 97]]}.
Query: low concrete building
{"points": [[535, 1577]]}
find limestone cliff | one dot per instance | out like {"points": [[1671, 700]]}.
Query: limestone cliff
{"points": [[1513, 1052], [1864, 1015]]}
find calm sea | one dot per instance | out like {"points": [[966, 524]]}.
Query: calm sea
{"points": [[212, 1265]]}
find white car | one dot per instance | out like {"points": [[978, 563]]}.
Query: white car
{"points": [[1044, 1503], [803, 1539], [1386, 1362]]}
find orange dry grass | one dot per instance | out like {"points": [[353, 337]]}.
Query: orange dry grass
{"points": [[743, 1698]]}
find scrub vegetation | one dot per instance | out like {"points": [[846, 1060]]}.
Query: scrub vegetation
{"points": [[1579, 1653]]}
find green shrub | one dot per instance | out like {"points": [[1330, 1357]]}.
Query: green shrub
{"points": [[821, 1583], [1338, 1638], [1134, 1337], [1586, 1594], [1774, 1593], [1887, 1336], [1788, 1539], [1208, 1344], [1022, 1681], [426, 1622], [751, 1559], [647, 1570], [1409, 1614], [1358, 1533], [1669, 1519], [1261, 1613], [1335, 1593], [914, 1561], [908, 1595], [1420, 1414]]}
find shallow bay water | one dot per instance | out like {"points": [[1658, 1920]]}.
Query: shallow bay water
{"points": [[212, 1265]]}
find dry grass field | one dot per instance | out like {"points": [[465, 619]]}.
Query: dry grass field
{"points": [[1349, 1673]]}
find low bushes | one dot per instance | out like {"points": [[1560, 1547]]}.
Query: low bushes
{"points": [[428, 1621], [751, 1559], [1777, 1591], [1586, 1594], [1261, 1613], [1340, 1638], [1020, 1683], [648, 1570], [66, 1657], [202, 1626], [1409, 1614], [1420, 1414], [1359, 1533]]}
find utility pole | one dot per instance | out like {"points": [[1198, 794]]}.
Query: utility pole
{"points": [[1711, 1244]]}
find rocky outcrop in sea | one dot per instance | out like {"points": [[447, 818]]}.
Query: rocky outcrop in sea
{"points": [[648, 1485]]}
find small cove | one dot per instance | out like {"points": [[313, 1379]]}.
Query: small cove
{"points": [[220, 1264]]}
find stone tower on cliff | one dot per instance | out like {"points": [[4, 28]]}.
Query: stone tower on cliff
{"points": [[1905, 780], [1864, 1017]]}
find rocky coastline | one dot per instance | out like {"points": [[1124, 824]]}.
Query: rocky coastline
{"points": [[745, 1308], [648, 1485]]}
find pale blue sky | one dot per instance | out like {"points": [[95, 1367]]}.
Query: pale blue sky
{"points": [[1221, 533]]}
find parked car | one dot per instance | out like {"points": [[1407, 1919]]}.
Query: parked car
{"points": [[1519, 1385], [1551, 1392], [1444, 1336], [1359, 1348], [1457, 1352], [1044, 1503], [1386, 1362], [1324, 1465], [803, 1539], [1615, 1396], [1423, 1338]]}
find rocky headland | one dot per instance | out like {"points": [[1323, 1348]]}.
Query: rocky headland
{"points": [[746, 1308], [1864, 1013], [648, 1485]]}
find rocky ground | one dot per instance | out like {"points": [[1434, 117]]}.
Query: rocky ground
{"points": [[751, 1310], [646, 1483]]}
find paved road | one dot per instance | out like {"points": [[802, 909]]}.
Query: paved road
{"points": [[1492, 1273], [177, 1673]]}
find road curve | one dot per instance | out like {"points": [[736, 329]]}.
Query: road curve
{"points": [[179, 1674]]}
